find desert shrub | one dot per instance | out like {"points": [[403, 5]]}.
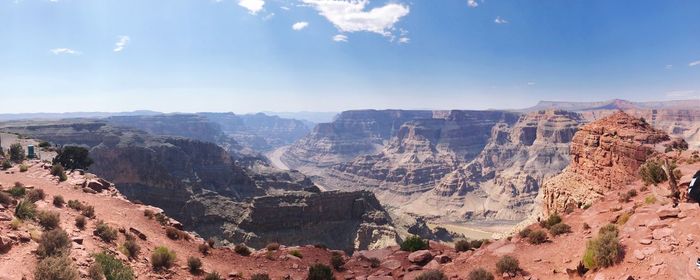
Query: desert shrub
{"points": [[525, 233], [88, 211], [80, 222], [274, 246], [25, 209], [374, 262], [652, 173], [320, 272], [643, 188], [23, 168], [559, 228], [148, 213], [462, 245], [6, 164], [57, 170], [162, 257], [632, 193], [586, 226], [650, 199], [537, 237], [75, 205], [431, 275], [242, 249], [296, 253], [476, 244], [194, 264], [414, 243], [480, 274], [58, 201], [603, 251], [112, 268], [213, 276], [105, 232], [36, 194], [53, 243], [172, 233], [48, 220], [18, 190], [337, 261], [5, 199], [551, 220], [56, 268], [260, 276], [95, 272], [508, 264], [131, 248], [15, 224], [623, 218], [608, 228], [17, 153], [203, 248], [211, 242], [162, 219]]}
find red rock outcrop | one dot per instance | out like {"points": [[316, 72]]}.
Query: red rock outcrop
{"points": [[605, 155]]}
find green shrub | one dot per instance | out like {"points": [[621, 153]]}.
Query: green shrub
{"points": [[242, 249], [320, 272], [23, 168], [57, 170], [524, 233], [414, 243], [53, 243], [88, 211], [80, 222], [17, 153], [15, 224], [337, 261], [194, 264], [462, 245], [131, 248], [508, 264], [18, 190], [650, 199], [623, 218], [5, 199], [652, 172], [25, 210], [162, 257], [260, 276], [559, 228], [73, 157], [537, 237], [95, 272], [480, 274], [608, 228], [296, 253], [274, 246], [431, 275], [56, 268], [105, 232], [552, 220], [35, 195], [58, 201], [113, 268], [75, 205], [602, 251], [213, 276], [6, 164], [48, 220]]}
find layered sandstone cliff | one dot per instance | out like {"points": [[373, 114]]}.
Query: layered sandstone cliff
{"points": [[605, 155]]}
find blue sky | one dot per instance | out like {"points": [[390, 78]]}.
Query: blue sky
{"points": [[331, 55]]}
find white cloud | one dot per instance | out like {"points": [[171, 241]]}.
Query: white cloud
{"points": [[500, 20], [531, 83], [404, 40], [680, 93], [59, 51], [350, 15], [340, 38], [121, 43], [284, 8], [694, 63], [472, 3], [300, 25], [253, 6], [668, 66]]}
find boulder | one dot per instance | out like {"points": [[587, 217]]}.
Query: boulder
{"points": [[138, 233], [391, 264], [666, 212], [97, 185], [659, 234], [645, 241], [420, 257], [443, 259], [5, 244], [639, 255]]}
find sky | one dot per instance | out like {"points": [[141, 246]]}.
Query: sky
{"points": [[332, 55]]}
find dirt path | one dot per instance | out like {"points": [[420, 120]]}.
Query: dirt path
{"points": [[275, 157]]}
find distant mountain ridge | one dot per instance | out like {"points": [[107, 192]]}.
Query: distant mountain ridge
{"points": [[615, 104]]}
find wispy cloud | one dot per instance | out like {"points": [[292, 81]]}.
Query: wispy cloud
{"points": [[60, 51], [300, 25], [500, 20], [472, 3], [681, 93], [340, 38], [253, 6], [121, 43], [668, 66], [404, 40], [531, 83], [694, 63], [351, 16]]}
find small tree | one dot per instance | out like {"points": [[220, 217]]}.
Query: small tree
{"points": [[17, 153], [413, 243], [73, 157]]}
